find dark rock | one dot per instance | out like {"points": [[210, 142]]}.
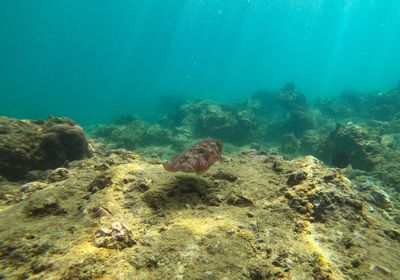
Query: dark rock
{"points": [[355, 263], [38, 145], [41, 205], [392, 233], [240, 200], [61, 143], [58, 174], [296, 178], [155, 199], [259, 272], [99, 211], [223, 175], [86, 268], [38, 266], [100, 182], [350, 144]]}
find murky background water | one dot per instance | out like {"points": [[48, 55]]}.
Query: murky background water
{"points": [[94, 60]]}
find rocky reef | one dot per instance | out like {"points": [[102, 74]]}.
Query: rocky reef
{"points": [[38, 145], [361, 131], [117, 216], [308, 190]]}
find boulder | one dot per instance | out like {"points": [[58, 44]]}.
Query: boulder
{"points": [[27, 145]]}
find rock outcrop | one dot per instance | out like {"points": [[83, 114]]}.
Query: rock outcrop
{"points": [[38, 145]]}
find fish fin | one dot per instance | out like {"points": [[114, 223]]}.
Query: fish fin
{"points": [[168, 167], [174, 158], [201, 171]]}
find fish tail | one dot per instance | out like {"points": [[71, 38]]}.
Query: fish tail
{"points": [[168, 167]]}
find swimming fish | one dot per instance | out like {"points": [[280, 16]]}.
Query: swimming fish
{"points": [[198, 158]]}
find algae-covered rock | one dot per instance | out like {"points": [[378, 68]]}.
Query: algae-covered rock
{"points": [[209, 119], [351, 144], [243, 221], [131, 132], [102, 181], [40, 205], [117, 237], [30, 145], [58, 174]]}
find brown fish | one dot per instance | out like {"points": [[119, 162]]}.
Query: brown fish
{"points": [[198, 158]]}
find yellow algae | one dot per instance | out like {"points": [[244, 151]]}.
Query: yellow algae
{"points": [[87, 248], [203, 225], [322, 255], [121, 172]]}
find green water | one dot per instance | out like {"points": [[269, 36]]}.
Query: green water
{"points": [[94, 60]]}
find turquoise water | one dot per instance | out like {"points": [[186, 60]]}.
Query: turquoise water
{"points": [[93, 60]]}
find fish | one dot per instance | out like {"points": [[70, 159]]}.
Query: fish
{"points": [[198, 158]]}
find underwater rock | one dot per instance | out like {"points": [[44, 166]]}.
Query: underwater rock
{"points": [[392, 233], [98, 211], [300, 120], [87, 268], [382, 106], [224, 175], [296, 178], [300, 117], [27, 145], [58, 174], [289, 98], [255, 227], [350, 144], [320, 198], [155, 199], [310, 141], [131, 132], [289, 143], [61, 143], [240, 199], [381, 199], [102, 181], [41, 205], [33, 186], [208, 119], [117, 237]]}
